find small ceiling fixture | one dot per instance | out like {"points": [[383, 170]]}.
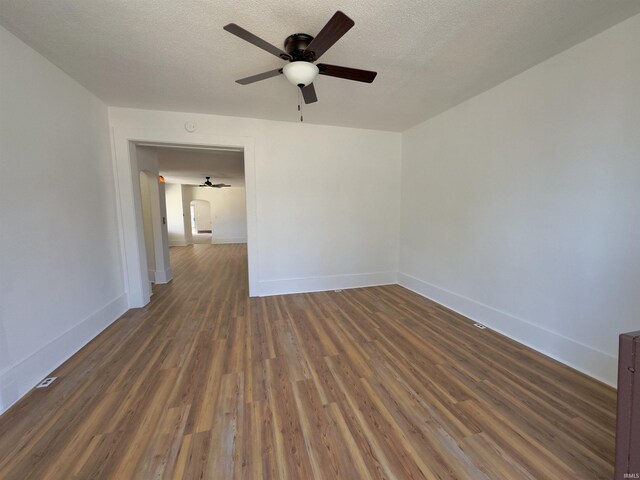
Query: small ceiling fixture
{"points": [[301, 50], [207, 183]]}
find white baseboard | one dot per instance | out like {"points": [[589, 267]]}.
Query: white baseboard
{"points": [[595, 363], [229, 240], [163, 276], [178, 243], [18, 379], [321, 284]]}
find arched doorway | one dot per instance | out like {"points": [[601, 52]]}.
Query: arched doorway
{"points": [[201, 222]]}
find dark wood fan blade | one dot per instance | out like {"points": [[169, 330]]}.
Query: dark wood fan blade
{"points": [[260, 76], [335, 28], [309, 94], [347, 73], [255, 40]]}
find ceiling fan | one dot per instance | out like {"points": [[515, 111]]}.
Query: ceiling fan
{"points": [[207, 183], [301, 51]]}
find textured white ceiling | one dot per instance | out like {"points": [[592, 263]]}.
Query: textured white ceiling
{"points": [[430, 54], [189, 167]]}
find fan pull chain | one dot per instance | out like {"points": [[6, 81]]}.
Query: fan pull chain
{"points": [[300, 104]]}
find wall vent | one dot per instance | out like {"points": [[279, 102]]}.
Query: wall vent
{"points": [[46, 382]]}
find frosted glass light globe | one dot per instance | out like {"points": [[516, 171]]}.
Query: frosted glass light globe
{"points": [[300, 73]]}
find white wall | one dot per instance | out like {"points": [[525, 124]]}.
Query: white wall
{"points": [[61, 281], [520, 207], [175, 219], [228, 212], [327, 197], [145, 195], [161, 232], [186, 217], [153, 215]]}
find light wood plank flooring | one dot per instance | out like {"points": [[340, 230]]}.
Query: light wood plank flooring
{"points": [[205, 383]]}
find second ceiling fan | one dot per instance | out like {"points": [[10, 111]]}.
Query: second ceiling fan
{"points": [[207, 183], [302, 50]]}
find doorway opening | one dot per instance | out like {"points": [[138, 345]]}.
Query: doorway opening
{"points": [[188, 208], [180, 209], [127, 144], [199, 212], [201, 222]]}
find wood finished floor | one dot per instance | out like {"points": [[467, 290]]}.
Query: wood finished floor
{"points": [[205, 383]]}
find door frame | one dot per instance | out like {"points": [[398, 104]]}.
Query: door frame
{"points": [[129, 207]]}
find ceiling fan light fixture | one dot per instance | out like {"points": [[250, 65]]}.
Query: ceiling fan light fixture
{"points": [[300, 72], [301, 51]]}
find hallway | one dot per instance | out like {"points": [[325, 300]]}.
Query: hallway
{"points": [[365, 383]]}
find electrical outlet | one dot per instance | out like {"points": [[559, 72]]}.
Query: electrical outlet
{"points": [[480, 326], [46, 382]]}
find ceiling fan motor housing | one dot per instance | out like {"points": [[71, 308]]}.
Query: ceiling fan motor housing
{"points": [[295, 44]]}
